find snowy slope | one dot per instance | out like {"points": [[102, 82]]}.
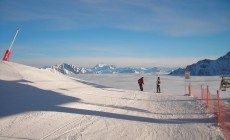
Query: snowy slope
{"points": [[206, 67], [39, 104], [103, 69]]}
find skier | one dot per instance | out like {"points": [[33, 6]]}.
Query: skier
{"points": [[158, 82], [141, 83]]}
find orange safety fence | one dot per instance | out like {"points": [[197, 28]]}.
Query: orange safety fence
{"points": [[225, 119], [195, 92], [215, 105], [211, 101]]}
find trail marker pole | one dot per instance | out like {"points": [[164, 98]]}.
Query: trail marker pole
{"points": [[8, 52], [219, 109], [207, 96], [201, 91], [189, 90], [187, 76]]}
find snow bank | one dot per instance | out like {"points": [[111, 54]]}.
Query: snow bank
{"points": [[172, 85], [39, 104]]}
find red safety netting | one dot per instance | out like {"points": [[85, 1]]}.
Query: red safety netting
{"points": [[225, 119], [195, 92], [215, 105]]}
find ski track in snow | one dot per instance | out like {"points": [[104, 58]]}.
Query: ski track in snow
{"points": [[84, 111]]}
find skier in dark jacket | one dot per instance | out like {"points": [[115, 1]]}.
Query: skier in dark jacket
{"points": [[158, 82], [141, 83]]}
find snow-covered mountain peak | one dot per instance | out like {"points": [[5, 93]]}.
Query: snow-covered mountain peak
{"points": [[101, 65], [103, 69], [207, 67], [225, 58], [104, 66]]}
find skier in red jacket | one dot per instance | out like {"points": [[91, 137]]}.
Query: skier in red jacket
{"points": [[141, 83]]}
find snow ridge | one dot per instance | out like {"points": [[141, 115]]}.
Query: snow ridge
{"points": [[207, 67]]}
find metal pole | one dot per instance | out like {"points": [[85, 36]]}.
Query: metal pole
{"points": [[219, 109], [14, 38], [185, 86], [207, 97], [201, 91]]}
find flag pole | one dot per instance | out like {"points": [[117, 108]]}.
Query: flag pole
{"points": [[14, 39], [8, 52]]}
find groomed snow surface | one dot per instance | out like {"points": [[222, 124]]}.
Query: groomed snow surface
{"points": [[39, 104]]}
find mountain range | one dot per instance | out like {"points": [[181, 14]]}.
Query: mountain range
{"points": [[206, 67], [103, 69]]}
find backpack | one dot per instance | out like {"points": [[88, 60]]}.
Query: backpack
{"points": [[139, 81]]}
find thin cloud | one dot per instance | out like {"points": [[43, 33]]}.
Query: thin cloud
{"points": [[167, 17]]}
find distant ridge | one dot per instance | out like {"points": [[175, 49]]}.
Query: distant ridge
{"points": [[104, 69], [206, 67]]}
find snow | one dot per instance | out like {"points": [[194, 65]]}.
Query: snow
{"points": [[103, 69], [173, 85], [39, 104]]}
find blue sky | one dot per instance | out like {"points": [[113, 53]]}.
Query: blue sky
{"points": [[168, 33]]}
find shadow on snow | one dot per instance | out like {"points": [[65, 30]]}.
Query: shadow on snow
{"points": [[18, 97]]}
